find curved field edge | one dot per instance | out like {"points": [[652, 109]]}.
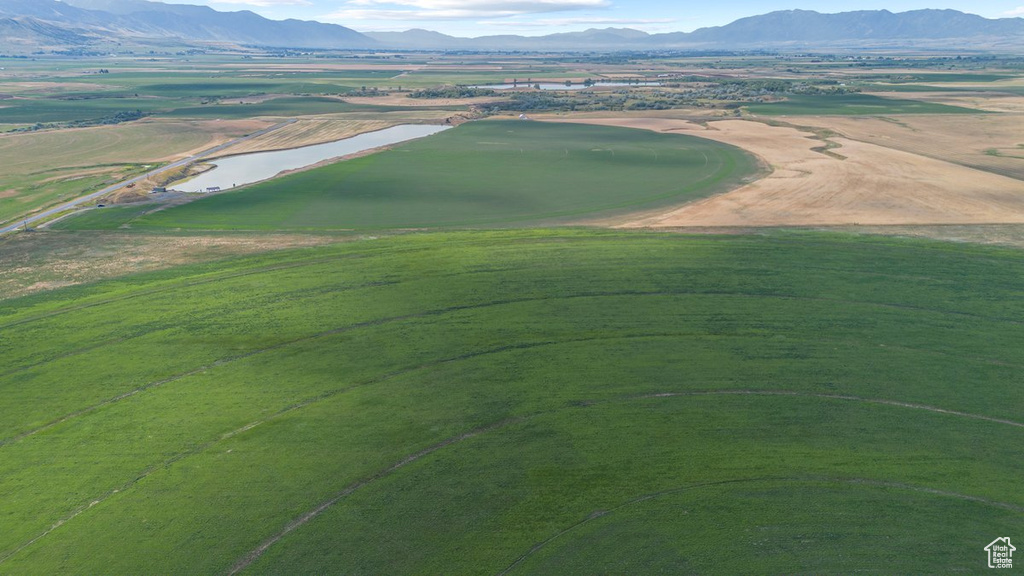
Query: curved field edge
{"points": [[502, 387], [486, 173]]}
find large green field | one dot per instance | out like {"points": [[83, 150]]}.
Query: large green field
{"points": [[497, 172], [532, 401]]}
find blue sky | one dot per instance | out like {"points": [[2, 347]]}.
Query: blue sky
{"points": [[537, 17]]}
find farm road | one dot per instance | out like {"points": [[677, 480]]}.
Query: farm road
{"points": [[205, 153]]}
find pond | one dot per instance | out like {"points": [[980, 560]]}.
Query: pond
{"points": [[234, 171]]}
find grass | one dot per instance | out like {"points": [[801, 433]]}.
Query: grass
{"points": [[547, 401], [107, 218], [286, 106], [44, 167], [479, 173], [853, 105], [30, 111]]}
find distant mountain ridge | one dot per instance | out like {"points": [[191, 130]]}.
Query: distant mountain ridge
{"points": [[772, 30], [79, 23]]}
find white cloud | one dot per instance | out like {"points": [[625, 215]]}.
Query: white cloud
{"points": [[517, 6], [1018, 11], [456, 9], [265, 3], [359, 14], [549, 22]]}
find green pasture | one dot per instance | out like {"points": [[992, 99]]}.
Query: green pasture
{"points": [[521, 402], [33, 195], [852, 105], [496, 172], [107, 218], [45, 110], [285, 107], [41, 168], [55, 110]]}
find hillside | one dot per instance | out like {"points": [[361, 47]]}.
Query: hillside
{"points": [[81, 23], [556, 402], [779, 29]]}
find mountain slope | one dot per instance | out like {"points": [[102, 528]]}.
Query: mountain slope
{"points": [[774, 29], [75, 23], [810, 26], [141, 20]]}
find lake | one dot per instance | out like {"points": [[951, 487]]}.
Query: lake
{"points": [[234, 171]]}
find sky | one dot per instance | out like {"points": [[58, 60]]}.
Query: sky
{"points": [[538, 17]]}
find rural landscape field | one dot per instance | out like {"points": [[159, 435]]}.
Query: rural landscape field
{"points": [[659, 311]]}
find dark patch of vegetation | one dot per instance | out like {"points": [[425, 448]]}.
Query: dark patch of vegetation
{"points": [[116, 118], [452, 92]]}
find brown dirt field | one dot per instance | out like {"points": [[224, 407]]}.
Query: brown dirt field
{"points": [[988, 101], [309, 131], [994, 143], [44, 260], [219, 132], [54, 87], [872, 186], [994, 234]]}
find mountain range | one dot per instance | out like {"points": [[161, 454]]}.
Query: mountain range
{"points": [[33, 25]]}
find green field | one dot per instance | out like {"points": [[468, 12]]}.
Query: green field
{"points": [[42, 168], [853, 105], [479, 173], [541, 401], [285, 107], [41, 110]]}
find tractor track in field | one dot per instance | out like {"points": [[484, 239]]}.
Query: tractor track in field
{"points": [[454, 309], [254, 555], [176, 286], [292, 526], [462, 357], [146, 329], [824, 396], [284, 411], [765, 479]]}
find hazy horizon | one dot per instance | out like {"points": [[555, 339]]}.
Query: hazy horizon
{"points": [[540, 17]]}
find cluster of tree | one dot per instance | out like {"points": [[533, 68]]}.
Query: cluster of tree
{"points": [[452, 92], [372, 91], [118, 118], [707, 93], [592, 102]]}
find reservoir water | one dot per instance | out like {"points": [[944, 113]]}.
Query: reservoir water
{"points": [[234, 171]]}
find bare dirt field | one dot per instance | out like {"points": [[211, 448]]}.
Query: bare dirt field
{"points": [[37, 261], [995, 234], [994, 143], [989, 101], [309, 131], [855, 184]]}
